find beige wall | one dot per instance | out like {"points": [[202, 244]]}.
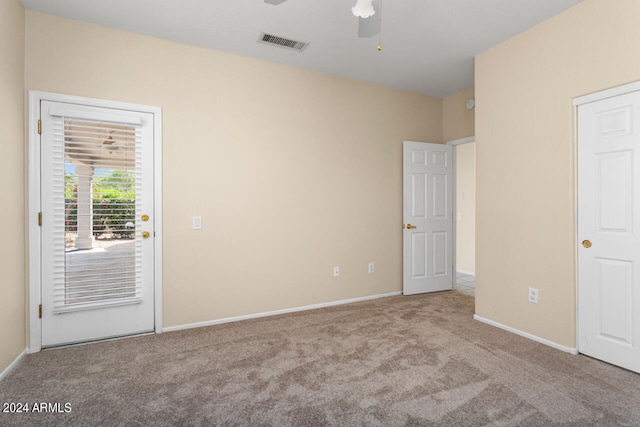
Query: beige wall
{"points": [[458, 122], [12, 213], [466, 207], [293, 172], [526, 159]]}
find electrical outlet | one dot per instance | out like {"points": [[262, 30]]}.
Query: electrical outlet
{"points": [[336, 271], [197, 222], [533, 295], [372, 268]]}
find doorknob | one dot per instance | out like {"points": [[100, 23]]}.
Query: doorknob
{"points": [[586, 243], [144, 218], [409, 226], [144, 234]]}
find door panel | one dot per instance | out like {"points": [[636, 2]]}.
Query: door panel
{"points": [[440, 195], [419, 260], [440, 249], [97, 183], [608, 216], [614, 285], [427, 208]]}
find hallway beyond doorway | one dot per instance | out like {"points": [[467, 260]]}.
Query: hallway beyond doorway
{"points": [[465, 283]]}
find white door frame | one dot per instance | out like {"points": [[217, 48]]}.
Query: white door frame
{"points": [[455, 143], [35, 253], [592, 97]]}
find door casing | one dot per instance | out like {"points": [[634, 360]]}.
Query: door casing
{"points": [[33, 208]]}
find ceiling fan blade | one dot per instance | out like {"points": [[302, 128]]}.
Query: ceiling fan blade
{"points": [[368, 27]]}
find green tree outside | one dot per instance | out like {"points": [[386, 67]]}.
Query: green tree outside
{"points": [[113, 199]]}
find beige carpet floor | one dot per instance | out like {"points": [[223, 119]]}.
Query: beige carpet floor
{"points": [[419, 360]]}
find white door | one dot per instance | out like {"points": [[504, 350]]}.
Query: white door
{"points": [[427, 216], [609, 230], [97, 223]]}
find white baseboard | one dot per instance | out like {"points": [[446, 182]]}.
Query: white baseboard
{"points": [[13, 364], [276, 312], [526, 335], [470, 273]]}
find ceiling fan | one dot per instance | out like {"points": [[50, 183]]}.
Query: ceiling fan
{"points": [[367, 27]]}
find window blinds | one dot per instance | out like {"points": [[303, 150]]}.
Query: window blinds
{"points": [[96, 182]]}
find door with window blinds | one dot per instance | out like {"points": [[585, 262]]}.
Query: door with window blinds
{"points": [[97, 223]]}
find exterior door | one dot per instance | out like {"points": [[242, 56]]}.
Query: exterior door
{"points": [[609, 230], [427, 215], [97, 223]]}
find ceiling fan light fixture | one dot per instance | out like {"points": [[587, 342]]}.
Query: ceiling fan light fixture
{"points": [[363, 8]]}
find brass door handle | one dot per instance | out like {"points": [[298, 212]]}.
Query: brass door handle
{"points": [[145, 234], [586, 243], [409, 226]]}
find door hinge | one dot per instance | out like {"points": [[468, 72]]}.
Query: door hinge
{"points": [[40, 219], [39, 127], [40, 311]]}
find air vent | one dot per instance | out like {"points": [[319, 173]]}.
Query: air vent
{"points": [[282, 42]]}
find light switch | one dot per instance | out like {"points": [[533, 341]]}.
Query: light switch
{"points": [[197, 222]]}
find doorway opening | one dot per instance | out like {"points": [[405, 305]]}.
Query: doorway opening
{"points": [[465, 214]]}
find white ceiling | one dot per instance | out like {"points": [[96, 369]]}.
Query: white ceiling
{"points": [[428, 45]]}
